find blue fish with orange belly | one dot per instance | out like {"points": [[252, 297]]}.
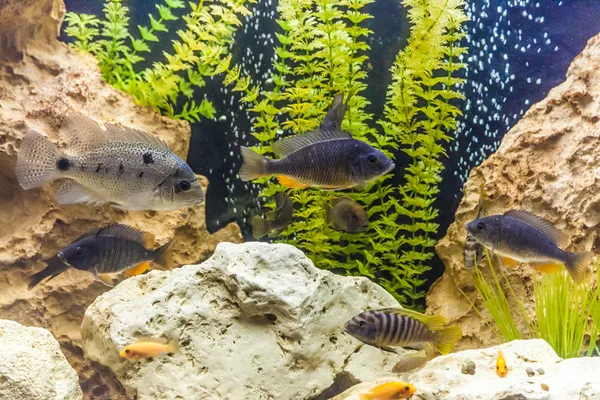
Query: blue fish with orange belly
{"points": [[326, 158]]}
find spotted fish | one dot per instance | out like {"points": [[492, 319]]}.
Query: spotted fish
{"points": [[393, 327], [473, 252], [326, 158], [121, 166], [518, 236]]}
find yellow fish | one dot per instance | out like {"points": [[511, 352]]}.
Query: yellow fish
{"points": [[148, 347], [501, 369], [389, 391]]}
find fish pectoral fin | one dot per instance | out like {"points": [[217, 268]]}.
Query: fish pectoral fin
{"points": [[388, 349], [105, 279], [290, 182], [508, 262], [138, 269], [547, 267], [72, 192]]}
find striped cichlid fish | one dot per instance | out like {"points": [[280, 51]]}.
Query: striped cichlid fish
{"points": [[391, 327], [276, 220], [473, 252], [121, 166], [518, 236], [110, 250], [326, 158]]}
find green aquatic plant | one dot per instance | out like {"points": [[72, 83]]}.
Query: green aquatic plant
{"points": [[322, 51], [168, 86], [562, 310]]}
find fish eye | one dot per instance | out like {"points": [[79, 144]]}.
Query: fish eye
{"points": [[372, 160], [361, 324], [406, 388], [354, 217], [480, 226], [184, 186], [78, 252], [127, 351]]}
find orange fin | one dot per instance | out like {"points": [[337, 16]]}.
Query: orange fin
{"points": [[547, 267], [291, 183], [509, 262], [138, 269]]}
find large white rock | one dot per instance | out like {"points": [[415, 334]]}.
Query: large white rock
{"points": [[441, 378], [32, 366], [255, 321]]}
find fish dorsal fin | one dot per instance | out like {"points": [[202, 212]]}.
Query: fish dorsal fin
{"points": [[150, 339], [556, 236], [82, 131], [433, 322], [124, 232], [335, 115], [121, 133], [281, 198], [288, 145], [338, 200]]}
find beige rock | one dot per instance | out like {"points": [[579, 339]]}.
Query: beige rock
{"points": [[32, 366], [256, 321], [40, 81], [547, 164], [441, 378]]}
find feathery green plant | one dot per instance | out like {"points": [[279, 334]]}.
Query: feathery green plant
{"points": [[201, 51], [562, 310], [323, 51]]}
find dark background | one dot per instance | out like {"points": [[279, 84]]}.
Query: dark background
{"points": [[519, 50]]}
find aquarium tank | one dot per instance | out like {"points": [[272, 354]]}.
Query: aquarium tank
{"points": [[299, 199]]}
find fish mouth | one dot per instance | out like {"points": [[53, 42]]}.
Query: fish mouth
{"points": [[470, 227], [391, 167], [363, 227], [62, 258]]}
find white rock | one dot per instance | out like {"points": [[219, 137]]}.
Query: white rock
{"points": [[32, 366], [255, 321], [441, 378]]}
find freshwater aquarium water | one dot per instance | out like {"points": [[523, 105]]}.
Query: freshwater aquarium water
{"points": [[299, 199]]}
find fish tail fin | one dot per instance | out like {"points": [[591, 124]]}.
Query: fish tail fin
{"points": [[37, 161], [52, 270], [173, 346], [164, 255], [254, 165], [447, 338], [577, 264], [260, 227]]}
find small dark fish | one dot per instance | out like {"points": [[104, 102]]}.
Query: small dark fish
{"points": [[518, 236], [335, 115], [277, 220], [405, 328], [109, 250], [344, 214], [473, 252], [326, 158], [121, 166]]}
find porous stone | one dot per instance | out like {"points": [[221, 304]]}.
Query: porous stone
{"points": [[255, 321], [546, 164], [441, 378], [32, 366]]}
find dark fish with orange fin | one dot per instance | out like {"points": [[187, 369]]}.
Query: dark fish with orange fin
{"points": [[401, 327], [277, 220], [326, 158], [115, 249], [518, 236]]}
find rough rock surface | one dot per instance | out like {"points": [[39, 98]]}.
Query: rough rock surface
{"points": [[32, 366], [41, 80], [255, 321], [441, 378], [547, 164]]}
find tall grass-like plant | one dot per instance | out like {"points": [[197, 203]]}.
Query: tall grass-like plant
{"points": [[563, 309]]}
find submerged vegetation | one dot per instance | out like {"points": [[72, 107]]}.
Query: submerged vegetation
{"points": [[322, 50], [564, 311]]}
